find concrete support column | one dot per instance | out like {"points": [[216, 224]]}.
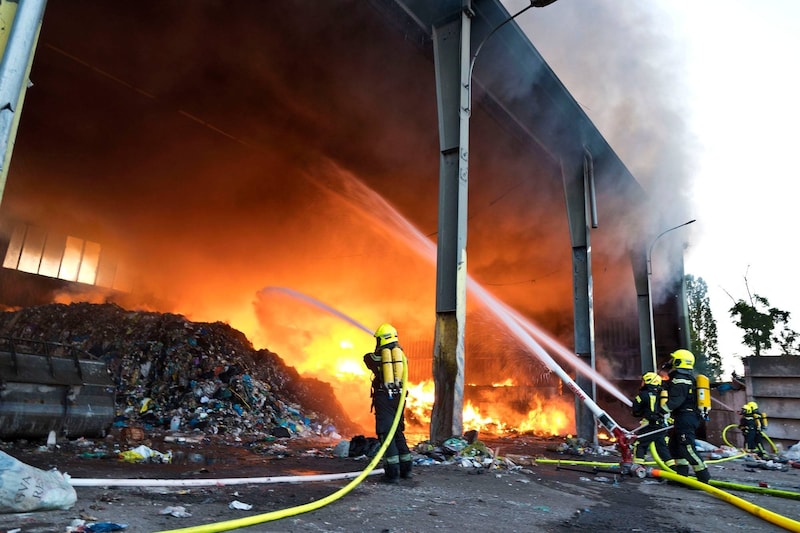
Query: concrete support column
{"points": [[644, 307], [451, 42], [576, 174]]}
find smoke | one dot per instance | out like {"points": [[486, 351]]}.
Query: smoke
{"points": [[218, 149], [624, 66]]}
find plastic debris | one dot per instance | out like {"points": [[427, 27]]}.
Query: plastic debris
{"points": [[102, 527], [178, 511], [236, 504], [24, 488], [144, 454]]}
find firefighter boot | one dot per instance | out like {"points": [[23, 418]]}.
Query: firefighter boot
{"points": [[703, 475], [405, 470], [391, 473], [682, 470]]}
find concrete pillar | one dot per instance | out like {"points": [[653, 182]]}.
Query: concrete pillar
{"points": [[451, 45]]}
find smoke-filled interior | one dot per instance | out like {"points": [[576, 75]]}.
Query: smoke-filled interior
{"points": [[231, 158]]}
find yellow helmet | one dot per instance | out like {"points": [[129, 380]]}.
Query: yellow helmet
{"points": [[682, 359], [651, 378], [753, 406], [385, 334], [747, 409]]}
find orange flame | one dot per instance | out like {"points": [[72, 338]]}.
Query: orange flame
{"points": [[551, 416]]}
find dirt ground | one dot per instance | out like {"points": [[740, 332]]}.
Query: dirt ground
{"points": [[524, 496]]}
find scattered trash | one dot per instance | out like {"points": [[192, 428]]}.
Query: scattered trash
{"points": [[178, 511], [144, 454], [102, 527], [342, 449], [236, 504], [208, 375], [455, 444], [24, 488]]}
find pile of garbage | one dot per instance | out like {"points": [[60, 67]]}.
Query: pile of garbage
{"points": [[175, 374]]}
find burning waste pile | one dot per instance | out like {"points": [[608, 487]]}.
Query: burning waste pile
{"points": [[173, 374]]}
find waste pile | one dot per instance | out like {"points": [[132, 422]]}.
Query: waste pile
{"points": [[174, 374]]}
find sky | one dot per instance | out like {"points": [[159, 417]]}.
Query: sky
{"points": [[725, 70]]}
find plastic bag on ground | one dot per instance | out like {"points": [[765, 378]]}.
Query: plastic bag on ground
{"points": [[25, 488]]}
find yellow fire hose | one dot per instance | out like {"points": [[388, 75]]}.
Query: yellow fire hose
{"points": [[292, 511], [666, 473], [582, 463], [725, 439], [760, 512], [727, 484]]}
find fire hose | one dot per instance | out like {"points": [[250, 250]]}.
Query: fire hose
{"points": [[755, 510], [787, 523], [763, 434], [311, 506], [215, 482], [665, 472]]}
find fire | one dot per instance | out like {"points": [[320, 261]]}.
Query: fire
{"points": [[331, 350], [552, 416]]}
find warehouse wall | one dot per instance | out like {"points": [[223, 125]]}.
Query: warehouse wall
{"points": [[774, 383]]}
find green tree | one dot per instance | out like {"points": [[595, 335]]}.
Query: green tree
{"points": [[787, 339], [759, 320], [703, 329]]}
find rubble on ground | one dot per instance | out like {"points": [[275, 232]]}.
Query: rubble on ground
{"points": [[173, 374]]}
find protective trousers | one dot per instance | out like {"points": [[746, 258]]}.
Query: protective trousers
{"points": [[659, 440], [681, 446], [397, 457]]}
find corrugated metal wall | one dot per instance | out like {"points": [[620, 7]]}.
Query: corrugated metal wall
{"points": [[725, 407], [774, 383]]}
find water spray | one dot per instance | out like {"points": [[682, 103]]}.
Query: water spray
{"points": [[351, 191], [321, 305]]}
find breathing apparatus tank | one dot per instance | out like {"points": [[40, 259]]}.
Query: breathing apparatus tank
{"points": [[703, 395], [392, 369], [391, 358]]}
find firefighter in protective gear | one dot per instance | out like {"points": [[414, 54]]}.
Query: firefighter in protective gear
{"points": [[762, 423], [386, 366], [682, 407], [752, 423], [647, 406]]}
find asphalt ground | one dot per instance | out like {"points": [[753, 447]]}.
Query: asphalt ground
{"points": [[527, 488]]}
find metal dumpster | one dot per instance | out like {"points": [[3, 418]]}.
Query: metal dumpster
{"points": [[53, 387]]}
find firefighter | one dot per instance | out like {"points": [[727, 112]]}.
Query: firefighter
{"points": [[648, 407], [386, 364], [753, 423], [748, 425], [681, 403]]}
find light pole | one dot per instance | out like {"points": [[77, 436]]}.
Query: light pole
{"points": [[534, 3], [650, 289]]}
